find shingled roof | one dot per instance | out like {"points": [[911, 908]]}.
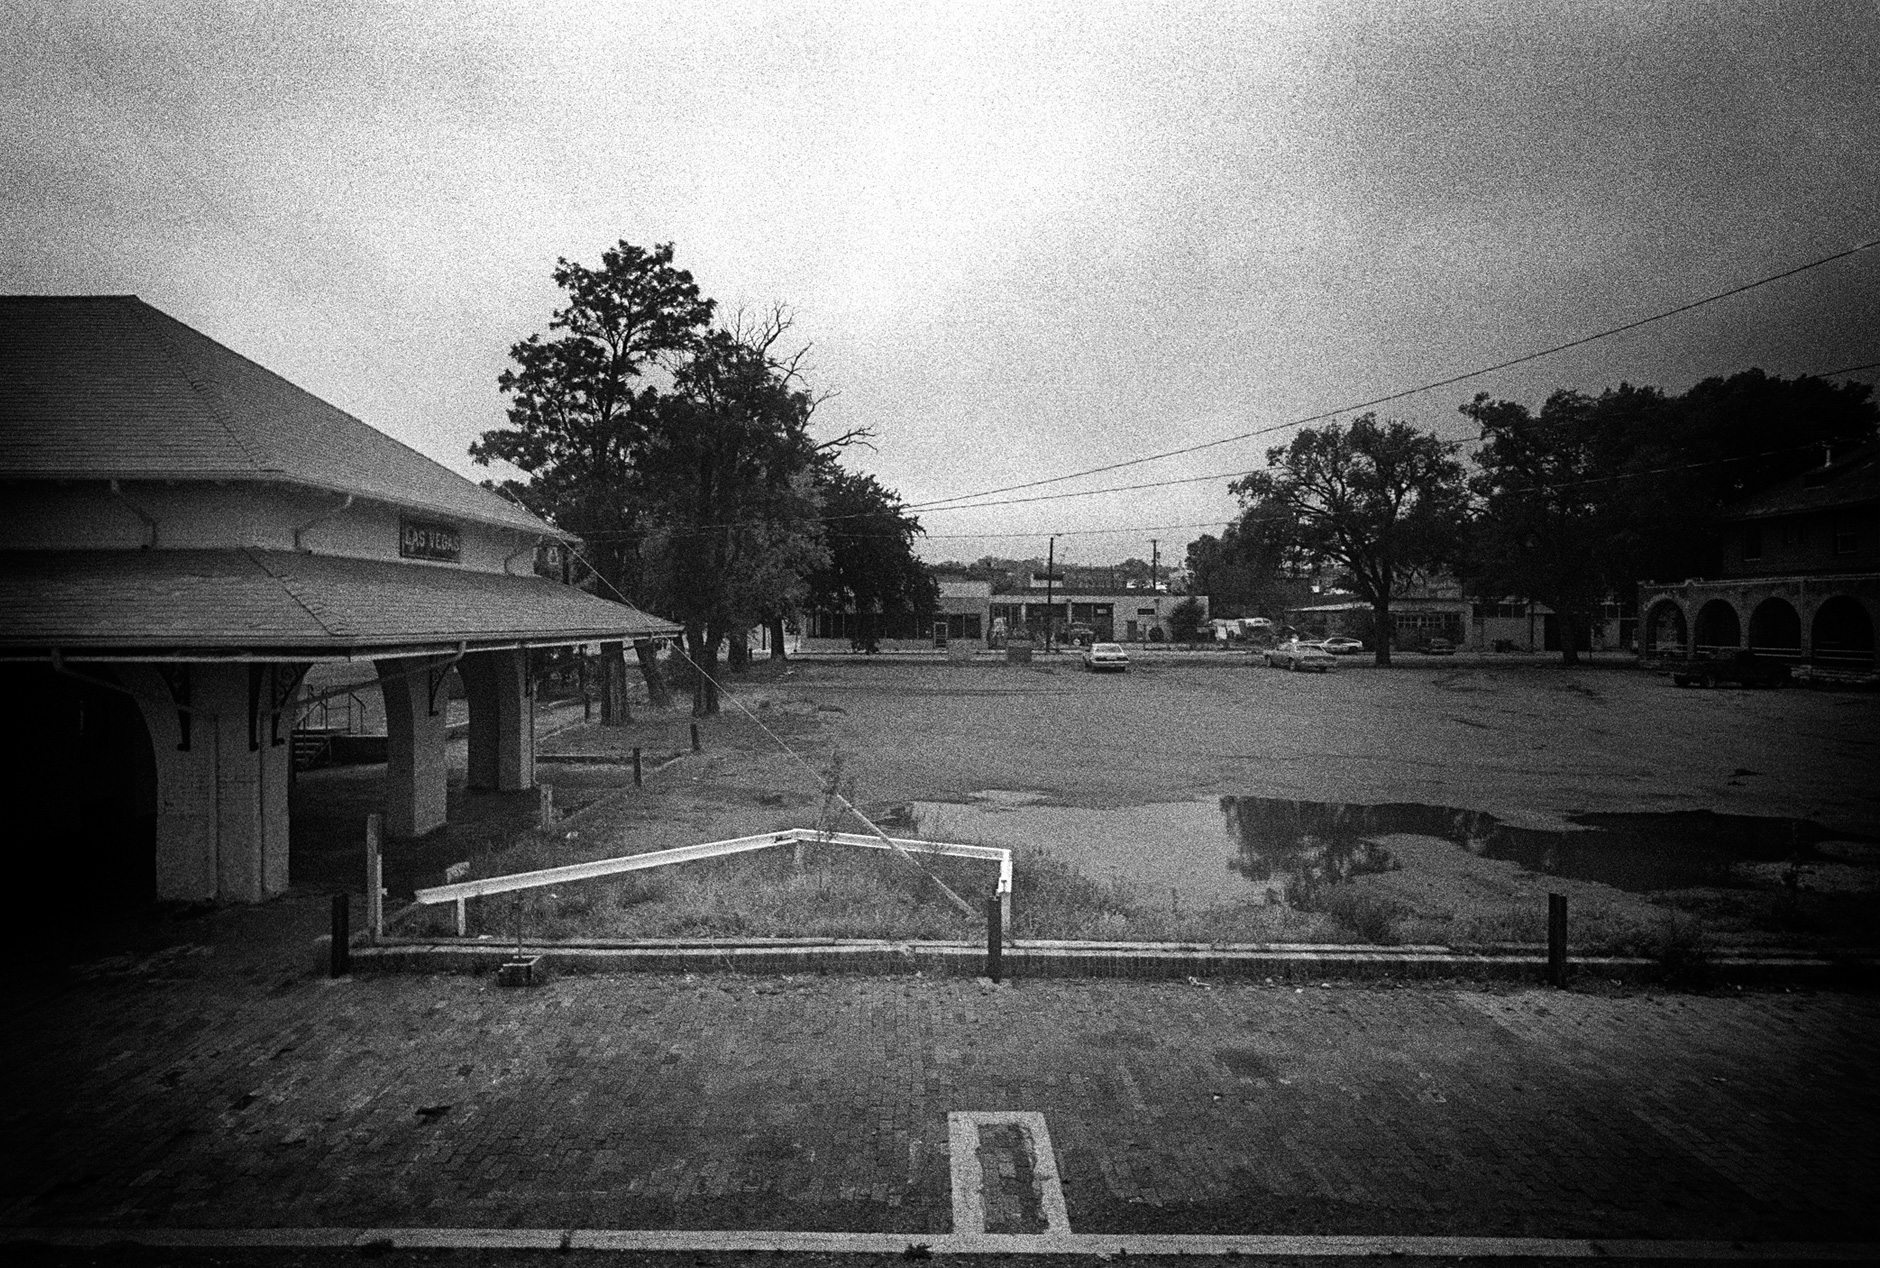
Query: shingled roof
{"points": [[1852, 481], [260, 604], [106, 387]]}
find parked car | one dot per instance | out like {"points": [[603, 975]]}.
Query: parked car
{"points": [[1745, 668], [1105, 656], [1440, 647], [1342, 645], [1297, 655]]}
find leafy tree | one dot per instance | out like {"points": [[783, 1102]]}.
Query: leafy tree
{"points": [[1253, 568], [1553, 525], [872, 569], [1184, 621], [578, 416], [1382, 502], [728, 473], [1597, 494]]}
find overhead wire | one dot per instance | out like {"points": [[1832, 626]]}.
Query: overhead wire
{"points": [[1451, 380]]}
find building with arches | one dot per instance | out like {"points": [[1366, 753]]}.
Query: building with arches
{"points": [[1801, 577], [186, 534]]}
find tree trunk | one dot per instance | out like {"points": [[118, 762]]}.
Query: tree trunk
{"points": [[1380, 617], [1569, 642], [614, 685], [776, 639], [740, 651], [703, 649], [658, 694]]}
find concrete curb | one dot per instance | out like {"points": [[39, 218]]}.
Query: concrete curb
{"points": [[1073, 960], [1105, 1245]]}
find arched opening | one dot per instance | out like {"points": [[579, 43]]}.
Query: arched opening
{"points": [[1775, 629], [1665, 634], [1843, 633], [81, 781], [1718, 627]]}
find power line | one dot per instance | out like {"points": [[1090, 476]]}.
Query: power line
{"points": [[939, 503]]}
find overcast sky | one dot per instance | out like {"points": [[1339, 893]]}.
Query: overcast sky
{"points": [[1023, 239]]}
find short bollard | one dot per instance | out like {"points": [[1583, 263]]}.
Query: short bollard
{"points": [[995, 939], [695, 744], [341, 962], [636, 766], [1557, 939], [546, 806]]}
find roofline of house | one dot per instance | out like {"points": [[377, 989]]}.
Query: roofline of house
{"points": [[523, 521]]}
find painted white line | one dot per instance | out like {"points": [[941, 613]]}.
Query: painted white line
{"points": [[947, 1243], [969, 1182]]}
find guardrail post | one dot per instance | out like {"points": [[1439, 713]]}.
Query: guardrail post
{"points": [[375, 877], [463, 920], [995, 939], [636, 765], [1557, 939], [695, 743], [547, 812], [341, 962]]}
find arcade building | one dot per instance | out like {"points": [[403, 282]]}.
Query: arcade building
{"points": [[185, 535]]}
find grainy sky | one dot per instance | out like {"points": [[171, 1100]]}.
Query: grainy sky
{"points": [[1022, 239]]}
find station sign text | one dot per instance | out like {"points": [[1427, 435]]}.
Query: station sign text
{"points": [[421, 539]]}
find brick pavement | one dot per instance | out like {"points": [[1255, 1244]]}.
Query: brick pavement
{"points": [[196, 1093]]}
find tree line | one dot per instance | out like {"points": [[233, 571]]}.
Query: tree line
{"points": [[678, 448], [1584, 499]]}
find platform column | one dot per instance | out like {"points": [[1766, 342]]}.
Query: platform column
{"points": [[502, 719], [416, 702]]}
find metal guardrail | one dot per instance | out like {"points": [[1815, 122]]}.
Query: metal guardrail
{"points": [[461, 891]]}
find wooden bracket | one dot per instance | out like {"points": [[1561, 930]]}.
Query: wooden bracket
{"points": [[177, 679]]}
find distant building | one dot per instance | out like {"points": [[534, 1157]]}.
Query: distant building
{"points": [[1801, 576]]}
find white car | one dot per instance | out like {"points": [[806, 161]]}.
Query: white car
{"points": [[1342, 645], [1297, 655], [1106, 656]]}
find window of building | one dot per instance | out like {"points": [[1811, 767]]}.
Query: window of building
{"points": [[1846, 536], [1752, 541]]}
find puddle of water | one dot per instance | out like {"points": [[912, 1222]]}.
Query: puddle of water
{"points": [[1239, 848]]}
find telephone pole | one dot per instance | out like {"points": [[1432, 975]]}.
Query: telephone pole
{"points": [[1050, 584], [1155, 557]]}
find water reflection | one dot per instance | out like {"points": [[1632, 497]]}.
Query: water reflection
{"points": [[1235, 848], [1296, 848], [1311, 843]]}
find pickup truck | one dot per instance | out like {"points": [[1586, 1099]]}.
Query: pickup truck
{"points": [[1744, 667]]}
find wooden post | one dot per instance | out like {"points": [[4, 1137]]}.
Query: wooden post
{"points": [[341, 963], [1005, 913], [1557, 939], [375, 877], [695, 743], [463, 920], [636, 765], [547, 806], [995, 938]]}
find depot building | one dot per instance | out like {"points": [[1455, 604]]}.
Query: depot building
{"points": [[185, 536]]}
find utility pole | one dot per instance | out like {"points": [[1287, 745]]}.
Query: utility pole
{"points": [[1155, 557], [1050, 583]]}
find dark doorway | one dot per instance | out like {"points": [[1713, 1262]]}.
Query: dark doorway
{"points": [[81, 776], [1718, 627], [1843, 633], [1775, 629]]}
